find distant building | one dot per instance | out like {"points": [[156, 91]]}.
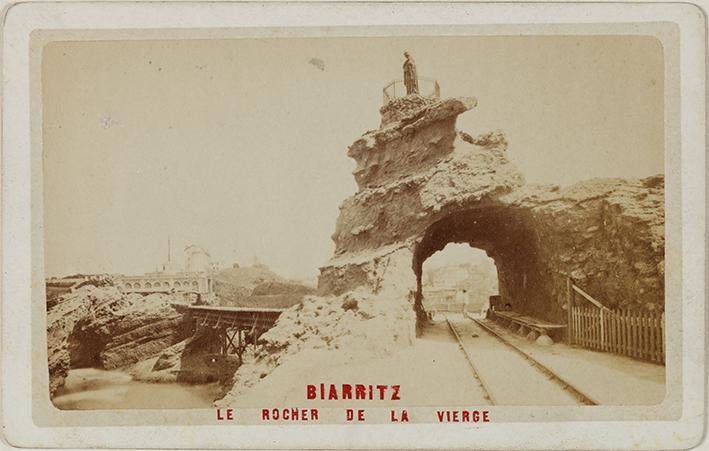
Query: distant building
{"points": [[197, 259], [160, 282], [171, 277]]}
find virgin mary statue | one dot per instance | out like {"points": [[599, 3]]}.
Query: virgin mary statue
{"points": [[411, 80]]}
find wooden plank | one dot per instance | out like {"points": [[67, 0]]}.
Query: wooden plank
{"points": [[576, 325], [609, 331], [621, 340], [631, 342], [603, 331], [615, 332], [572, 329], [597, 328], [662, 328], [628, 340], [594, 328], [591, 328], [653, 346], [582, 326], [614, 326], [582, 317], [587, 296], [623, 333], [660, 339], [638, 336], [651, 338], [643, 335], [586, 328], [634, 334], [569, 302]]}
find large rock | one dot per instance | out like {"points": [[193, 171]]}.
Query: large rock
{"points": [[103, 328], [424, 184]]}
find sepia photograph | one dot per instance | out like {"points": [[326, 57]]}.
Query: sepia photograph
{"points": [[353, 225], [291, 224]]}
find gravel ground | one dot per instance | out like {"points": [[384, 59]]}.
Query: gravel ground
{"points": [[510, 379], [608, 379]]}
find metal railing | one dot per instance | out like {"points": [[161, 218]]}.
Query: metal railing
{"points": [[428, 87]]}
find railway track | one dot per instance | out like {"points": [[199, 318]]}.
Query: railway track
{"points": [[486, 391], [507, 374]]}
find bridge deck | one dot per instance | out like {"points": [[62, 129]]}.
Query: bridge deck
{"points": [[218, 308], [247, 318]]}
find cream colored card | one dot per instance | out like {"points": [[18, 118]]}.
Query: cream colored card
{"points": [[341, 225]]}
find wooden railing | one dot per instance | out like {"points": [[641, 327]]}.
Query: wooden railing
{"points": [[637, 334]]}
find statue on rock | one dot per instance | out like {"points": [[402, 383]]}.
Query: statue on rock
{"points": [[411, 80]]}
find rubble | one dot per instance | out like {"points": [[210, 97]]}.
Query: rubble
{"points": [[357, 322]]}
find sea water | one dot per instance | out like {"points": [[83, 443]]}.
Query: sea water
{"points": [[90, 388]]}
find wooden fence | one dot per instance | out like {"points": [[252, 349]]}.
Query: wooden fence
{"points": [[630, 333], [637, 334]]}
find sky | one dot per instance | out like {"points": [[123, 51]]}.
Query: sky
{"points": [[239, 145]]}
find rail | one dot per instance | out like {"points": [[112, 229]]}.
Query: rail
{"points": [[581, 397], [428, 87], [483, 385]]}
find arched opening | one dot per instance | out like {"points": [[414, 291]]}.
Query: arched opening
{"points": [[507, 236], [148, 285], [458, 279]]}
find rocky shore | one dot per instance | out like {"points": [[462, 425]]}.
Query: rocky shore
{"points": [[103, 328]]}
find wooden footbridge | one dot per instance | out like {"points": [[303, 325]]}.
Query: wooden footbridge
{"points": [[235, 327]]}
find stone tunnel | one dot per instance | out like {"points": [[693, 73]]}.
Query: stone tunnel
{"points": [[505, 236]]}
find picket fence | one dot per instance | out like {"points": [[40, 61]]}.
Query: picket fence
{"points": [[638, 334], [630, 333]]}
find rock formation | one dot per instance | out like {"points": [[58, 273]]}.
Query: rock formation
{"points": [[197, 359], [103, 328], [423, 184]]}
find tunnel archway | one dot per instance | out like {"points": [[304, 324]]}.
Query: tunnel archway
{"points": [[505, 235]]}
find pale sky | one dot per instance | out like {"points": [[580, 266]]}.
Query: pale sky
{"points": [[240, 145]]}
